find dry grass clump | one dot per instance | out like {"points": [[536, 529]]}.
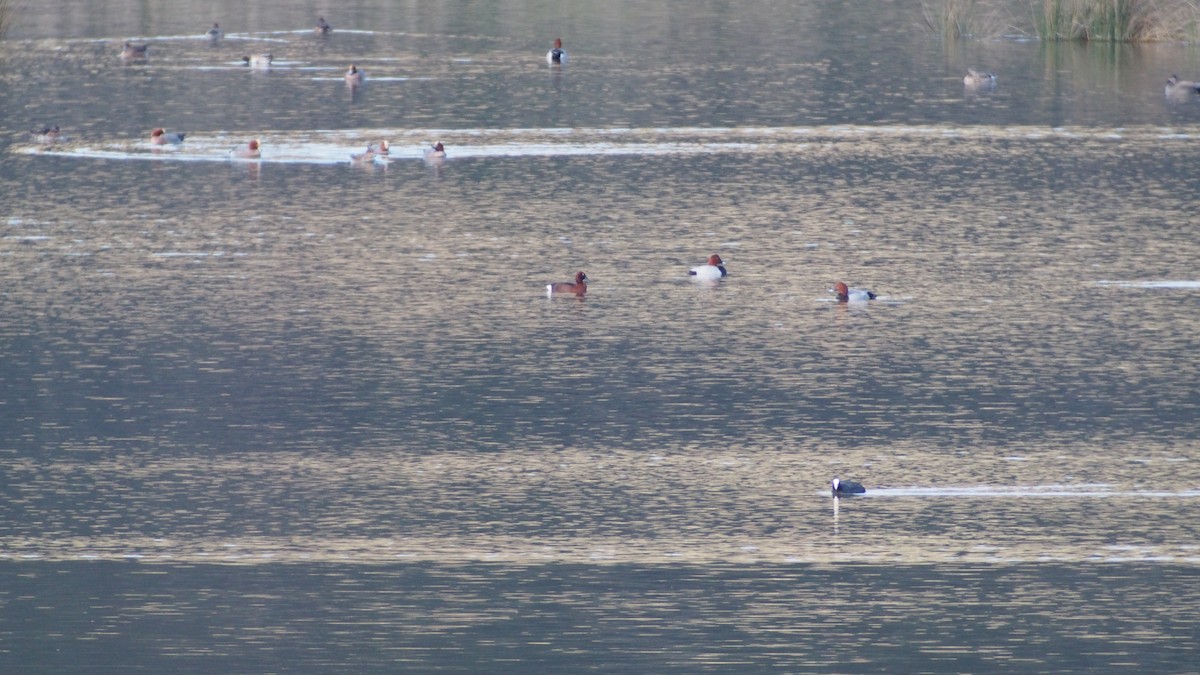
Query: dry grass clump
{"points": [[961, 18], [1071, 20]]}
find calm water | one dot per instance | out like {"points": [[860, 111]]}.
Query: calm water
{"points": [[298, 414]]}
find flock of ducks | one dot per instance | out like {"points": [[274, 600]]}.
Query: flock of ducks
{"points": [[353, 76], [713, 269], [978, 80]]}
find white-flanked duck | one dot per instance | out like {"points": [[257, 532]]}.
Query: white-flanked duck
{"points": [[46, 134], [556, 55], [214, 33], [846, 487], [846, 294], [161, 136], [578, 288], [710, 271], [322, 26], [258, 60]]}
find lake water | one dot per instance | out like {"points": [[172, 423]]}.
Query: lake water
{"points": [[299, 414]]}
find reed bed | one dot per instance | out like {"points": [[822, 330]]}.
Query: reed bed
{"points": [[1070, 20], [961, 18], [8, 15]]}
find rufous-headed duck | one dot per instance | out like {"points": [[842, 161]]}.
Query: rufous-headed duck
{"points": [[713, 269], [557, 55], [354, 75], [160, 136], [323, 26], [846, 294], [563, 287], [380, 148], [251, 150]]}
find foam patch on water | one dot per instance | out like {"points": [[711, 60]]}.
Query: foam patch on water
{"points": [[1091, 490], [328, 147], [1151, 284], [334, 147]]}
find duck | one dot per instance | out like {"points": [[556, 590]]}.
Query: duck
{"points": [[354, 75], [132, 51], [160, 136], [214, 33], [978, 78], [365, 157], [564, 287], [713, 269], [380, 148], [846, 487], [846, 294], [258, 60], [251, 150], [557, 55], [1178, 87], [323, 26], [435, 151], [45, 134]]}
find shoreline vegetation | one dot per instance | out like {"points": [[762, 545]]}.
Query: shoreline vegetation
{"points": [[8, 15], [1066, 20], [1112, 21]]}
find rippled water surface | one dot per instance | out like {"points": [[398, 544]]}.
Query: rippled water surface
{"points": [[306, 414]]}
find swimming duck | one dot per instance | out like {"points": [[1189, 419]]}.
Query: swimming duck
{"points": [[1178, 87], [160, 136], [557, 54], [713, 269], [258, 60], [380, 148], [365, 157], [563, 287], [978, 78], [132, 51], [214, 33], [323, 27], [251, 150], [846, 487], [45, 134], [354, 75], [435, 151], [847, 294]]}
